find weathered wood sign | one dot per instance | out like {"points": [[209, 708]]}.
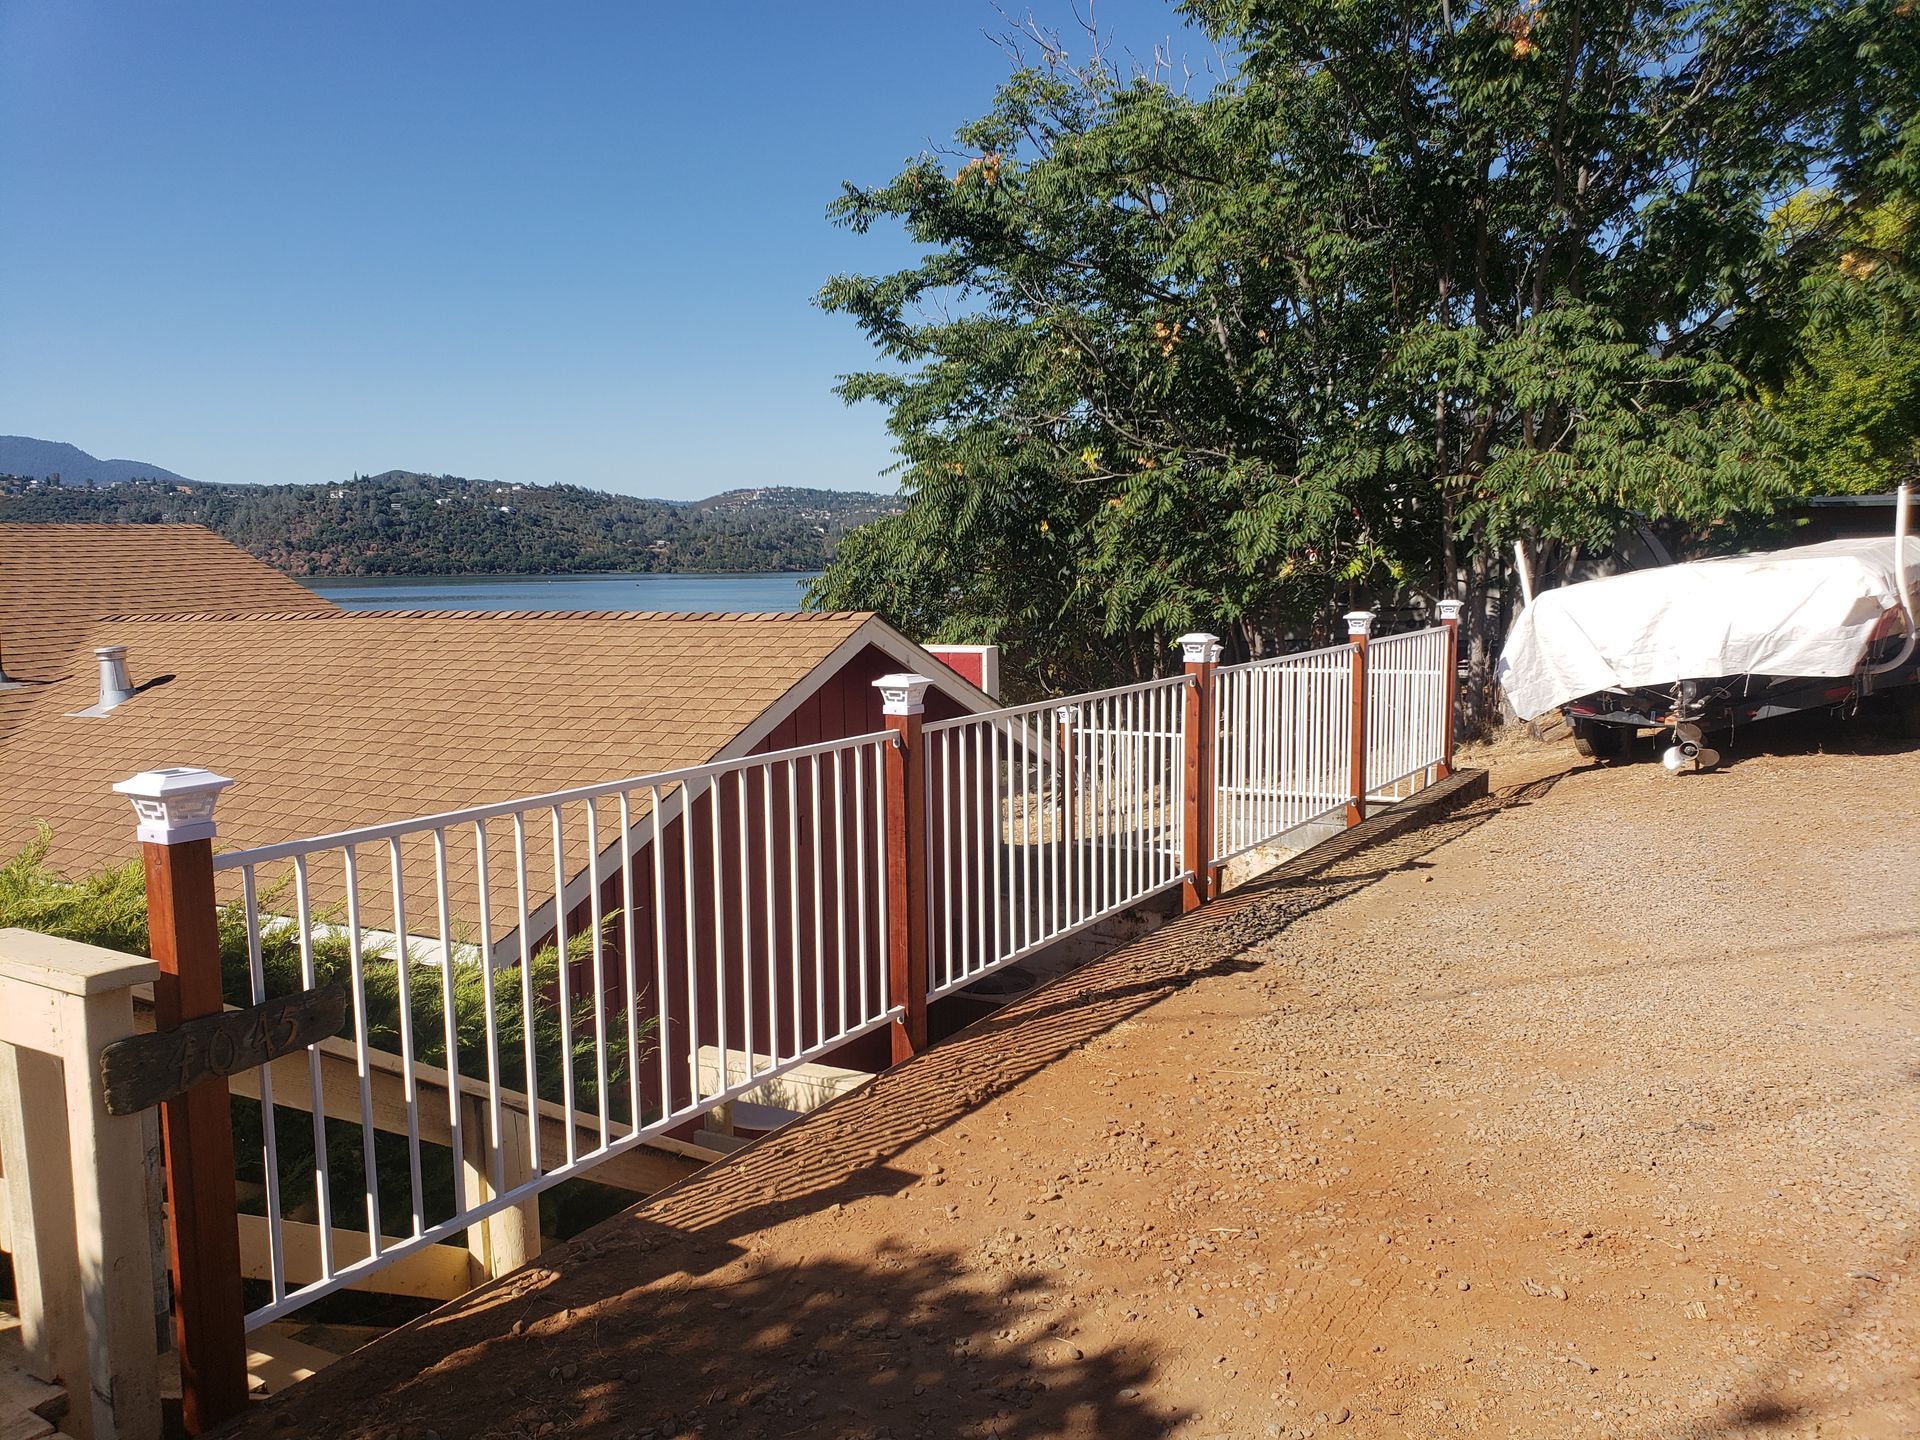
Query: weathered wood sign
{"points": [[144, 1070]]}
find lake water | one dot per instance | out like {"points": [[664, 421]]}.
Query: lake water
{"points": [[615, 591]]}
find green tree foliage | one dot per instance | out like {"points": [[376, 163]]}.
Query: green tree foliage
{"points": [[1409, 282], [1851, 398], [405, 524]]}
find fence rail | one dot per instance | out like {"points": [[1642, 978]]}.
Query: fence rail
{"points": [[1282, 737], [1044, 819], [1407, 699], [735, 906], [604, 964]]}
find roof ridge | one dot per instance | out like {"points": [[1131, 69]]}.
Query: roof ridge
{"points": [[336, 613]]}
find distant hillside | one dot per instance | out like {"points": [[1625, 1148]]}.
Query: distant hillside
{"points": [[401, 523], [42, 459]]}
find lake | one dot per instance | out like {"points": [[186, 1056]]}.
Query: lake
{"points": [[614, 591]]}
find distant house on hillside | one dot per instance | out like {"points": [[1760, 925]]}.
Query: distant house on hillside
{"points": [[57, 581]]}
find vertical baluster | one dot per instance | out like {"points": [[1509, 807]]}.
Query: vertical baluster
{"points": [[721, 1037], [840, 886], [448, 1019], [819, 896], [316, 1085], [860, 819], [662, 992], [357, 979], [690, 936], [772, 852], [743, 817], [630, 963], [530, 1081], [964, 800], [269, 1137], [793, 901], [597, 921], [409, 1084], [483, 884], [565, 985]]}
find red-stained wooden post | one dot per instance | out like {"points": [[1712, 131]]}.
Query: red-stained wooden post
{"points": [[1450, 617], [1359, 626], [175, 808], [903, 700], [1201, 653]]}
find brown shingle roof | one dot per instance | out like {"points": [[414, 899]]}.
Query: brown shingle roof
{"points": [[57, 580], [330, 719]]}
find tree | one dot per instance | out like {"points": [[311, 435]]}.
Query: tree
{"points": [[1405, 284], [1851, 398]]}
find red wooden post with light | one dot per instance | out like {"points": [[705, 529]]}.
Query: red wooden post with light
{"points": [[1201, 653], [1450, 617], [1359, 627], [903, 701], [175, 809]]}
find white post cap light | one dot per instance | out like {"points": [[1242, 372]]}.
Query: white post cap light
{"points": [[1450, 610], [1200, 648], [902, 694], [1359, 622], [174, 804]]}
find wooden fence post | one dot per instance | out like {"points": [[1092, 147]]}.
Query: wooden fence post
{"points": [[903, 701], [1359, 626], [77, 1192], [1450, 617], [1201, 653], [175, 809]]}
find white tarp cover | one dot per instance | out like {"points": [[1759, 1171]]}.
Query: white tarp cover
{"points": [[1806, 611]]}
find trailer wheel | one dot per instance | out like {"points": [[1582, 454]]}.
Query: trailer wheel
{"points": [[1605, 743]]}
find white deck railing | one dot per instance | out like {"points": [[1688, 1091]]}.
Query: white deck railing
{"points": [[1406, 711], [1044, 819], [735, 906], [1283, 729], [604, 964]]}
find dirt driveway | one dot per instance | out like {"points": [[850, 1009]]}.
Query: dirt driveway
{"points": [[1588, 1111]]}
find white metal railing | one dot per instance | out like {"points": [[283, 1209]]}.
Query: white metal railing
{"points": [[1283, 729], [1042, 819], [632, 929], [1407, 696]]}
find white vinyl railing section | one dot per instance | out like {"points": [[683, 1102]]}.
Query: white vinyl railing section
{"points": [[1407, 697], [1044, 819], [569, 975], [1282, 731], [738, 907]]}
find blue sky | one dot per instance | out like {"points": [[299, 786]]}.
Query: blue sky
{"points": [[284, 242]]}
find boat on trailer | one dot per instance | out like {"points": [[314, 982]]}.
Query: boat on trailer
{"points": [[1701, 648]]}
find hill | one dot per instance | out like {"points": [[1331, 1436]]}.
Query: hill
{"points": [[42, 459], [402, 523]]}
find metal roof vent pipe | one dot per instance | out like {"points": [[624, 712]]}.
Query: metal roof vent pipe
{"points": [[115, 686]]}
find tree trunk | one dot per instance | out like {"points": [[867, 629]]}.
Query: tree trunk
{"points": [[1483, 628]]}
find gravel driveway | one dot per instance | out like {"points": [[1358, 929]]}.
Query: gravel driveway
{"points": [[1587, 1111]]}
